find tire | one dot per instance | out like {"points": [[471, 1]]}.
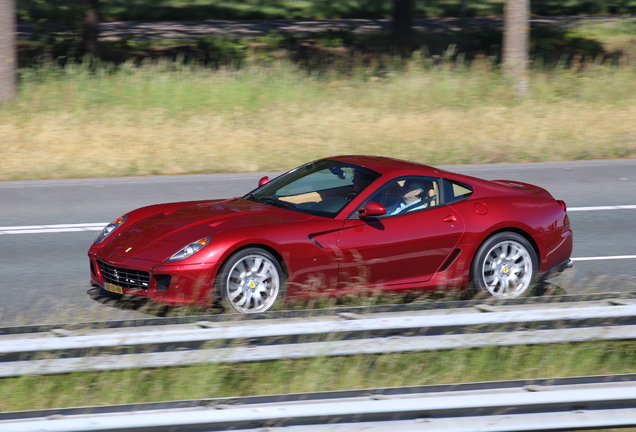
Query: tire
{"points": [[505, 266], [251, 281]]}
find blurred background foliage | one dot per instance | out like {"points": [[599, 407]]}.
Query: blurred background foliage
{"points": [[341, 49], [58, 25], [61, 10]]}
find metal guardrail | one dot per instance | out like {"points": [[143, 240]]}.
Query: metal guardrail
{"points": [[61, 350], [522, 405]]}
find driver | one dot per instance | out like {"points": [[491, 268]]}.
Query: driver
{"points": [[412, 198]]}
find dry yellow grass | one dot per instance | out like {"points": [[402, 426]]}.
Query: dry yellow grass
{"points": [[120, 142], [156, 120]]}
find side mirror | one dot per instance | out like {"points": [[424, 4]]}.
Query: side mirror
{"points": [[263, 180], [371, 209]]}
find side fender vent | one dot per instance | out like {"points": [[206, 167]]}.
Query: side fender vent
{"points": [[451, 258]]}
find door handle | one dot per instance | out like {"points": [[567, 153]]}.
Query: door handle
{"points": [[450, 218]]}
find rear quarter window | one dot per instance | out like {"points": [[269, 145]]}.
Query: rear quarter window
{"points": [[456, 191]]}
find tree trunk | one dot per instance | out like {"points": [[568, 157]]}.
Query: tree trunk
{"points": [[8, 81], [516, 43], [463, 8], [402, 17], [90, 29]]}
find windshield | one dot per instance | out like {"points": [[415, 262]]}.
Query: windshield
{"points": [[322, 188]]}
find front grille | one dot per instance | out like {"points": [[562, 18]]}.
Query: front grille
{"points": [[125, 278]]}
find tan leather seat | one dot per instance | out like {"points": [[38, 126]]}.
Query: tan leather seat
{"points": [[433, 192]]}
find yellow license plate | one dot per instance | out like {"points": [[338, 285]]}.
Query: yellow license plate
{"points": [[113, 288]]}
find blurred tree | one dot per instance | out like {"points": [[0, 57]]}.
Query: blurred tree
{"points": [[68, 25], [7, 50], [516, 43], [463, 8], [402, 25], [90, 27]]}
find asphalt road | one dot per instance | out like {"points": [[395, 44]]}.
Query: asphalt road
{"points": [[44, 267]]}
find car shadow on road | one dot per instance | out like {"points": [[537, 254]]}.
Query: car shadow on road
{"points": [[546, 289], [145, 305]]}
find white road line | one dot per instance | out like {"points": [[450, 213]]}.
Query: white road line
{"points": [[615, 257], [620, 207], [39, 229]]}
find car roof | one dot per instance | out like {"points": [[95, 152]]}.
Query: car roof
{"points": [[396, 167], [386, 165]]}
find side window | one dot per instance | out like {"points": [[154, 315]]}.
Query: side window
{"points": [[408, 194], [456, 191]]}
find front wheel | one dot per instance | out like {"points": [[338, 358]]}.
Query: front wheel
{"points": [[505, 265], [251, 281]]}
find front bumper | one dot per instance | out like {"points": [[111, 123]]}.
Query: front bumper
{"points": [[174, 285]]}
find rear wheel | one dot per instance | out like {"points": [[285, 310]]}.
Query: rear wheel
{"points": [[505, 266], [251, 281]]}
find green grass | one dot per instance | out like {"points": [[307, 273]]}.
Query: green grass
{"points": [[621, 28], [319, 374]]}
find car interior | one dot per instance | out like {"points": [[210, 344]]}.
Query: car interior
{"points": [[393, 192]]}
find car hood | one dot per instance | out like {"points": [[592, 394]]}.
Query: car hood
{"points": [[158, 236]]}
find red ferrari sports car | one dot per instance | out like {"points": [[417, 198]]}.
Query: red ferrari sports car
{"points": [[337, 225]]}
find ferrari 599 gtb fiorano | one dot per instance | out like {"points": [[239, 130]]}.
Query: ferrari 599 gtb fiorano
{"points": [[334, 226]]}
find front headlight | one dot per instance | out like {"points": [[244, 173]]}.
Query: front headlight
{"points": [[108, 230], [190, 249]]}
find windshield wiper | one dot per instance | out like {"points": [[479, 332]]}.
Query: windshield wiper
{"points": [[279, 203]]}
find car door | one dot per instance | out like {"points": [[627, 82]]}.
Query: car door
{"points": [[398, 249]]}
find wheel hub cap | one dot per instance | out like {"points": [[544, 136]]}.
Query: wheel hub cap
{"points": [[507, 269], [253, 284]]}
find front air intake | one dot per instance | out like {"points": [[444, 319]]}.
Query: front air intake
{"points": [[125, 278]]}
